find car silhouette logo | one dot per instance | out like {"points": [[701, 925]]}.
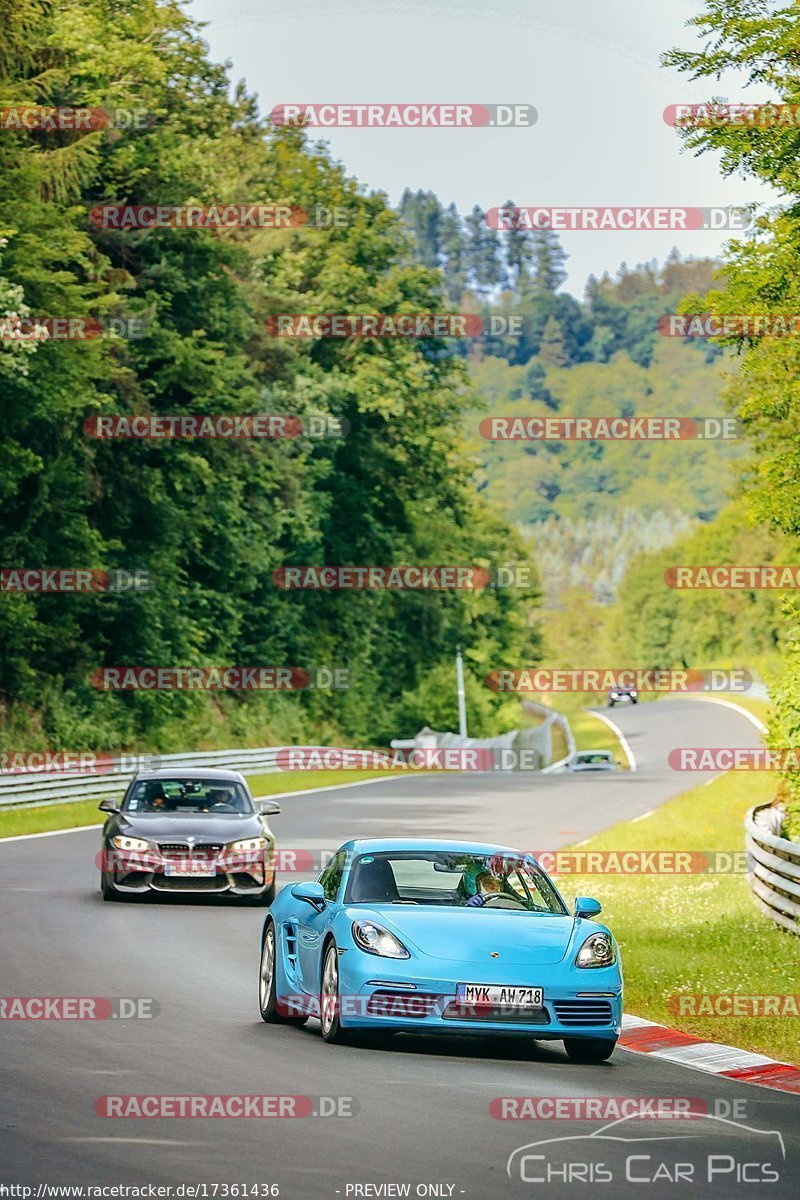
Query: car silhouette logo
{"points": [[494, 954]]}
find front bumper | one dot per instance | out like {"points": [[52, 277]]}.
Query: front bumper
{"points": [[388, 994], [136, 873]]}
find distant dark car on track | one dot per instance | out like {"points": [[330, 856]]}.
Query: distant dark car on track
{"points": [[188, 831], [622, 695]]}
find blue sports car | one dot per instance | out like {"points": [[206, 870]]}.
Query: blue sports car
{"points": [[418, 935]]}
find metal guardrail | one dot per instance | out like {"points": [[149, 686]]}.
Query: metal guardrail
{"points": [[32, 789], [773, 872]]}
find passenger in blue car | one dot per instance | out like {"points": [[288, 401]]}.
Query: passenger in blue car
{"points": [[486, 885]]}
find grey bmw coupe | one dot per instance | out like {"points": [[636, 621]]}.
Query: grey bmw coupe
{"points": [[188, 831]]}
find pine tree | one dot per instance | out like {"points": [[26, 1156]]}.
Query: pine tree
{"points": [[549, 258]]}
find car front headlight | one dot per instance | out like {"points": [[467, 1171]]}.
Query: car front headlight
{"points": [[257, 843], [377, 940], [597, 951], [130, 843], [633, 692]]}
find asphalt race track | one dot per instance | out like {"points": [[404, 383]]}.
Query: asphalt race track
{"points": [[423, 1104]]}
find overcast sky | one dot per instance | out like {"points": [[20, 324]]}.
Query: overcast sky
{"points": [[590, 69]]}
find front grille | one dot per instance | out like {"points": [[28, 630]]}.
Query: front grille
{"points": [[401, 1004], [583, 1012], [172, 850], [498, 1016], [190, 883]]}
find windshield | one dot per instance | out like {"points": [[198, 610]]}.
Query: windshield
{"points": [[452, 880], [187, 796], [601, 756]]}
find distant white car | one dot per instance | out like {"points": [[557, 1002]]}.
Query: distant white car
{"points": [[592, 760], [622, 695]]}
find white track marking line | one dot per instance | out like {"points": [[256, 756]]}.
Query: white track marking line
{"points": [[752, 718], [622, 739], [333, 787], [25, 837]]}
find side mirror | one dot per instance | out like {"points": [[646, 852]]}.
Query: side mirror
{"points": [[586, 906], [312, 893], [268, 808], [109, 806]]}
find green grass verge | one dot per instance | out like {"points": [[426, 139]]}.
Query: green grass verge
{"points": [[687, 934], [70, 816]]}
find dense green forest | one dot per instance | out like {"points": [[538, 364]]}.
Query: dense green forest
{"points": [[760, 40], [585, 507], [213, 519]]}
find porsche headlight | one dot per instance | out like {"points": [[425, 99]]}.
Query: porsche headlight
{"points": [[130, 843], [258, 843], [597, 951], [377, 940]]}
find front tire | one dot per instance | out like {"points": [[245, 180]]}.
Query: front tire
{"points": [[329, 999], [267, 985], [589, 1050]]}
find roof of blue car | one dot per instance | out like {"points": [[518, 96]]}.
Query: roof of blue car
{"points": [[449, 845]]}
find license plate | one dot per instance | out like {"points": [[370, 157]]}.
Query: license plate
{"points": [[190, 868], [493, 996]]}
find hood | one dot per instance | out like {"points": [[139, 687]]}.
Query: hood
{"points": [[179, 827], [473, 934]]}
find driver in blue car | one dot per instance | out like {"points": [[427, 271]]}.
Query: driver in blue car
{"points": [[486, 885]]}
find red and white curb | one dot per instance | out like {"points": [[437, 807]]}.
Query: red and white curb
{"points": [[647, 1037]]}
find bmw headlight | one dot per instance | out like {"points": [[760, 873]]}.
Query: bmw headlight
{"points": [[377, 940], [597, 951], [257, 843], [130, 843]]}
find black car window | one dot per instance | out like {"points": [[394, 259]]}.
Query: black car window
{"points": [[331, 877], [188, 796]]}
